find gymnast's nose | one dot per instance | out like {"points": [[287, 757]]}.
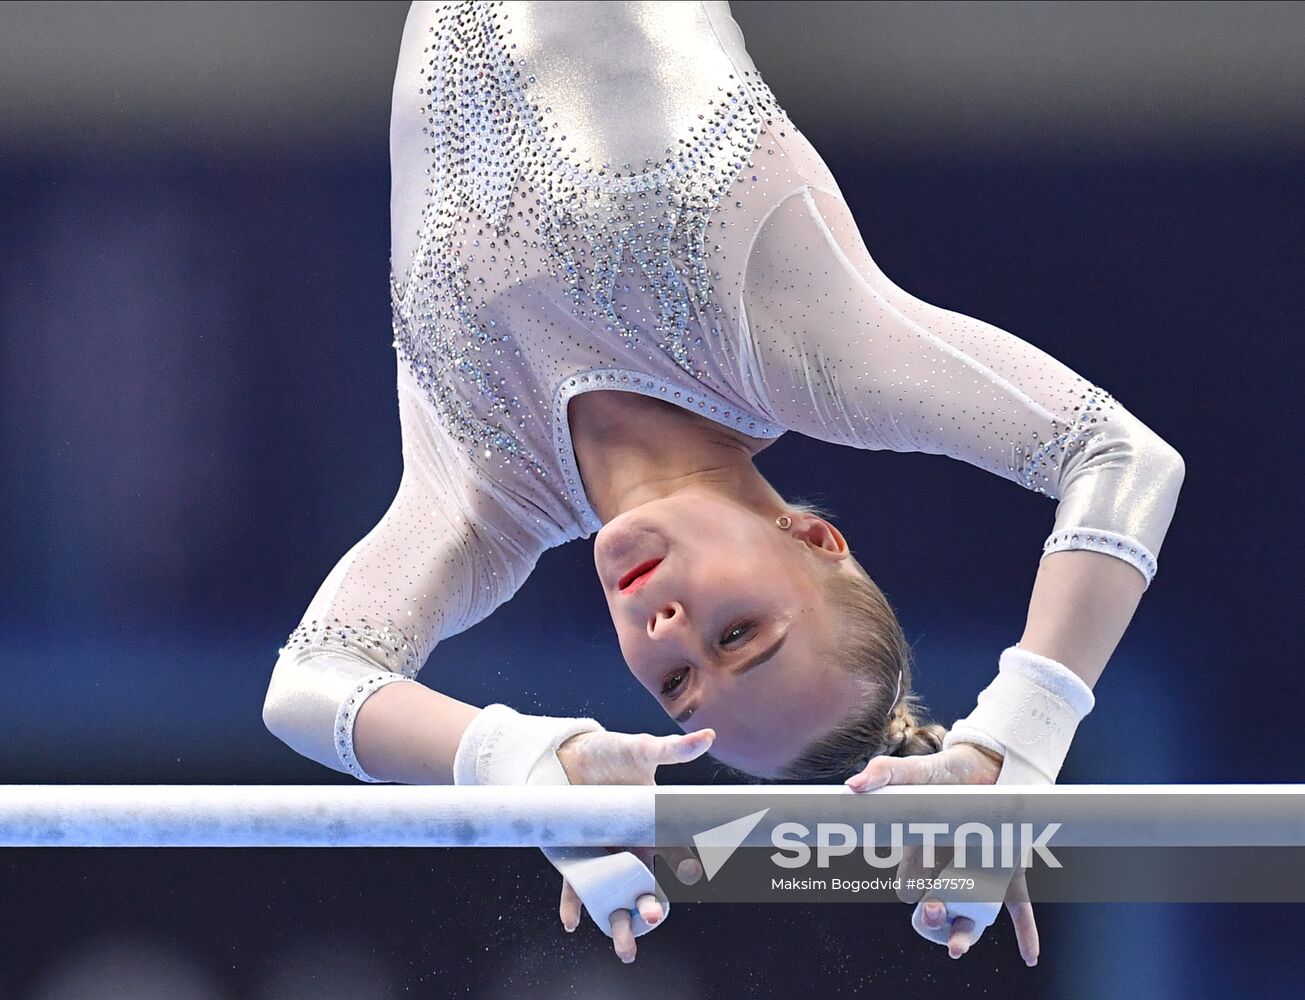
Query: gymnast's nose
{"points": [[667, 620]]}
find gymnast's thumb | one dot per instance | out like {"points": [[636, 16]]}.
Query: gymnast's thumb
{"points": [[686, 747]]}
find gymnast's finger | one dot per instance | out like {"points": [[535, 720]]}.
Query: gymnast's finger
{"points": [[913, 874], [680, 860], [881, 771], [569, 909], [935, 914], [688, 869], [1026, 929], [650, 908], [962, 937], [622, 935], [677, 749], [910, 871]]}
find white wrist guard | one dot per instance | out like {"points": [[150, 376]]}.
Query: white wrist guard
{"points": [[504, 747], [1028, 714]]}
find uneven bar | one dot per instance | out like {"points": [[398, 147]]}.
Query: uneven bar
{"points": [[616, 815]]}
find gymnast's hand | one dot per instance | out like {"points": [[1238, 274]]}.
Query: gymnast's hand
{"points": [[963, 764], [608, 758]]}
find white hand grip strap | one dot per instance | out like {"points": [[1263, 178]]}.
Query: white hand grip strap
{"points": [[1029, 715], [1031, 709], [605, 881], [983, 912], [504, 747]]}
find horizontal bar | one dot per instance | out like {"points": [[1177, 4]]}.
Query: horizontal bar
{"points": [[617, 815]]}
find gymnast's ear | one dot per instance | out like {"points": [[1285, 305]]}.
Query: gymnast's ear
{"points": [[823, 538]]}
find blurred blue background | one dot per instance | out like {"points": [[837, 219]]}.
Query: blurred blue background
{"points": [[198, 418]]}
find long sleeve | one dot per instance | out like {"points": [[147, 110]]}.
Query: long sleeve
{"points": [[442, 557], [836, 351]]}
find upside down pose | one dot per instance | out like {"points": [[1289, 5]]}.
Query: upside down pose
{"points": [[618, 272]]}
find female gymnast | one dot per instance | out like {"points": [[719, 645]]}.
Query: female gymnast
{"points": [[618, 272]]}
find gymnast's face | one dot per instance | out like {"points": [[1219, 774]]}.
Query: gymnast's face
{"points": [[721, 616]]}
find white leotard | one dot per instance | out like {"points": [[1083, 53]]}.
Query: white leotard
{"points": [[607, 196]]}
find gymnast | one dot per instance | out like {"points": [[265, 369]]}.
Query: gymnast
{"points": [[618, 272]]}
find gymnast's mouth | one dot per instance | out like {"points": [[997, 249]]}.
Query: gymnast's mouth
{"points": [[637, 577]]}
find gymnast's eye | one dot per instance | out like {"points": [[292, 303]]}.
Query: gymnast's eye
{"points": [[736, 633], [675, 681]]}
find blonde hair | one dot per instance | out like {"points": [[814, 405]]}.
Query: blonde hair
{"points": [[871, 646]]}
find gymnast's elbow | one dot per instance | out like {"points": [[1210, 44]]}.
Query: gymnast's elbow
{"points": [[277, 716], [1166, 463], [273, 717], [311, 695], [1179, 467], [297, 713], [1152, 481], [1148, 455]]}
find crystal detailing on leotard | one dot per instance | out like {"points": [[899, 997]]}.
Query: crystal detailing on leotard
{"points": [[366, 654], [1111, 543], [348, 713], [703, 401], [382, 643], [1042, 471], [603, 231], [438, 353]]}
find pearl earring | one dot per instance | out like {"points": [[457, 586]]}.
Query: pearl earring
{"points": [[784, 521]]}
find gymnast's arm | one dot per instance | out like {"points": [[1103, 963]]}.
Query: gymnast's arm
{"points": [[843, 354], [343, 691]]}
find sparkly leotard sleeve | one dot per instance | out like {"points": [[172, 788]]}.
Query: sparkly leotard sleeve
{"points": [[444, 555], [606, 195], [844, 354]]}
